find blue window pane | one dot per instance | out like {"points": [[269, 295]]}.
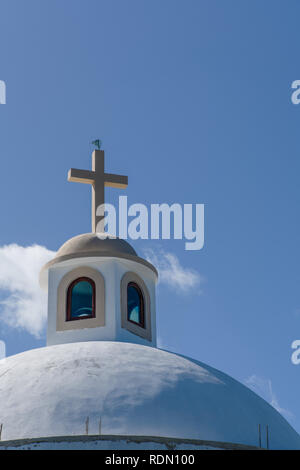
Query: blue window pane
{"points": [[82, 300], [134, 305]]}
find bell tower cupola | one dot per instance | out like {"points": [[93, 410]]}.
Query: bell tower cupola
{"points": [[98, 287]]}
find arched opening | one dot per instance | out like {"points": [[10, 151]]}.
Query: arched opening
{"points": [[135, 305], [81, 299]]}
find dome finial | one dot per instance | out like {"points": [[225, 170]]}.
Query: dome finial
{"points": [[97, 143], [98, 179]]}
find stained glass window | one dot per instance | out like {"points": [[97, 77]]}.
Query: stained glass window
{"points": [[135, 304], [81, 299]]}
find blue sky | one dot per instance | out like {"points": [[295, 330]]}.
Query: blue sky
{"points": [[192, 99]]}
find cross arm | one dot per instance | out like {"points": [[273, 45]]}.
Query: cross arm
{"points": [[81, 176], [115, 181]]}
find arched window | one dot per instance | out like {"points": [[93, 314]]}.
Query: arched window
{"points": [[135, 305], [81, 299]]}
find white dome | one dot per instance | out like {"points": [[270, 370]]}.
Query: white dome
{"points": [[135, 390]]}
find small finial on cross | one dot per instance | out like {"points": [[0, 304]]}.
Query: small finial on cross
{"points": [[97, 143], [98, 179]]}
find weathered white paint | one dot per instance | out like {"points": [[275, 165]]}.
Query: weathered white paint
{"points": [[115, 443], [136, 390]]}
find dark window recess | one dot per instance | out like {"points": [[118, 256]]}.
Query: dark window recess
{"points": [[81, 299], [135, 305]]}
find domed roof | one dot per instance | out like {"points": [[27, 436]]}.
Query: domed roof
{"points": [[135, 390], [94, 245]]}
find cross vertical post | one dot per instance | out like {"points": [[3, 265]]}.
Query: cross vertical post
{"points": [[98, 196]]}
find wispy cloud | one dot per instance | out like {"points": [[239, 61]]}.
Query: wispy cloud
{"points": [[263, 387], [172, 273], [23, 304]]}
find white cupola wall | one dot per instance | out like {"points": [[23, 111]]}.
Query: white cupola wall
{"points": [[116, 289]]}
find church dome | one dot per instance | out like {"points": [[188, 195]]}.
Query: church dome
{"points": [[136, 391], [94, 245]]}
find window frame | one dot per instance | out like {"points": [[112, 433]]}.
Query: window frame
{"points": [[131, 327], [69, 299], [141, 324]]}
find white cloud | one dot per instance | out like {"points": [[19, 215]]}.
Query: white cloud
{"points": [[263, 387], [23, 304], [172, 273]]}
